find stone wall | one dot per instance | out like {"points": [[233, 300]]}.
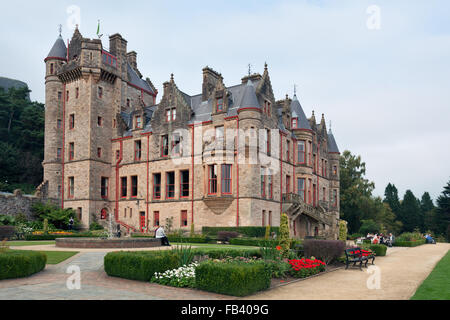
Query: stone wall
{"points": [[15, 203]]}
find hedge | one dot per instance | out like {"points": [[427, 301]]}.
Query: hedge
{"points": [[38, 237], [409, 243], [223, 253], [235, 279], [7, 232], [139, 265], [252, 232], [20, 264], [379, 249], [260, 242]]}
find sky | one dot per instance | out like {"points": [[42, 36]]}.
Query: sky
{"points": [[378, 70]]}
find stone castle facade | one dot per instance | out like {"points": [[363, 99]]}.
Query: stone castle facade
{"points": [[230, 156]]}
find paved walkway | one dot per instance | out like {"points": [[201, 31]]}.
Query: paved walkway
{"points": [[402, 271]]}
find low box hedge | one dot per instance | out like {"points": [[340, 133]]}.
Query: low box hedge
{"points": [[260, 242], [251, 232], [378, 249], [139, 265], [38, 237], [409, 243], [223, 253], [173, 238], [235, 279], [20, 264]]}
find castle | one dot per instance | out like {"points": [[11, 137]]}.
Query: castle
{"points": [[230, 156]]}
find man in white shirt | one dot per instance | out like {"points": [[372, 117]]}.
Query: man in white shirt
{"points": [[160, 234]]}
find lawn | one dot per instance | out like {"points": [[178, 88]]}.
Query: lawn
{"points": [[437, 285], [55, 257], [28, 243]]}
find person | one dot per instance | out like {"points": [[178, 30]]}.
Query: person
{"points": [[375, 239], [391, 239], [119, 233], [274, 235], [160, 234], [70, 223], [429, 238]]}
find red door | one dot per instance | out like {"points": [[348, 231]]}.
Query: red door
{"points": [[142, 221], [103, 214]]}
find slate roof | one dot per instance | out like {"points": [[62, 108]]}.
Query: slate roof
{"points": [[59, 49], [332, 145], [136, 80], [297, 112]]}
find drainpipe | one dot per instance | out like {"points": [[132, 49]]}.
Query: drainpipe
{"points": [[63, 146], [148, 159], [237, 172], [117, 181], [192, 174]]}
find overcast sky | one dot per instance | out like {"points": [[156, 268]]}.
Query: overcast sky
{"points": [[384, 83]]}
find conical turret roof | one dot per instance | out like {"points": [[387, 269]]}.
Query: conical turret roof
{"points": [[249, 99], [59, 50], [332, 145], [297, 112]]}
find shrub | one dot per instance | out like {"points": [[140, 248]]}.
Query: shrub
{"points": [[355, 236], [413, 243], [20, 264], [95, 226], [7, 232], [184, 253], [267, 234], [252, 232], [369, 226], [40, 237], [326, 250], [6, 220], [285, 240], [343, 230], [226, 235], [232, 278], [305, 267], [378, 249], [260, 242], [139, 265], [224, 253], [409, 236]]}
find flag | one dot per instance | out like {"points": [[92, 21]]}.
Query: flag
{"points": [[98, 28]]}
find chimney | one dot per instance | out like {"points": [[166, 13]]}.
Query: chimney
{"points": [[132, 59], [254, 77], [210, 79], [117, 46]]}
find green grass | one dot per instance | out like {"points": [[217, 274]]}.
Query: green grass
{"points": [[437, 285], [55, 257], [28, 243]]}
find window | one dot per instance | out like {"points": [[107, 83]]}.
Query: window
{"points": [[301, 152], [309, 152], [326, 168], [137, 150], [226, 179], [270, 177], [322, 162], [324, 193], [263, 218], [294, 123], [174, 114], [125, 213], [335, 198], [288, 150], [270, 218], [156, 218], [138, 122], [71, 121], [134, 186], [117, 154], [184, 184], [168, 115], [157, 186], [51, 68], [301, 188], [170, 185], [219, 137], [99, 152], [176, 146], [104, 188], [184, 220], [288, 184], [212, 179], [59, 124], [267, 109], [100, 92], [123, 187], [114, 123], [77, 93], [314, 164], [128, 103], [263, 182], [59, 95], [268, 141], [164, 146], [67, 95], [71, 187], [334, 170], [99, 121], [219, 105], [309, 191], [58, 153], [131, 212], [71, 151]]}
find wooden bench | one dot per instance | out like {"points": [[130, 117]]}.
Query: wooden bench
{"points": [[355, 255]]}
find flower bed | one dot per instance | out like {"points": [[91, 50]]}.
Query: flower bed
{"points": [[181, 277], [306, 267]]}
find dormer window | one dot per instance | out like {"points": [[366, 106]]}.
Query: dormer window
{"points": [[267, 106], [219, 105], [138, 122], [171, 114], [174, 114], [294, 123]]}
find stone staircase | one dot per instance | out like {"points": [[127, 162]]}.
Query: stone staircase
{"points": [[294, 206]]}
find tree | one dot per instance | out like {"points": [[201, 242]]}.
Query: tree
{"points": [[443, 211], [391, 198], [285, 240], [355, 189], [410, 214]]}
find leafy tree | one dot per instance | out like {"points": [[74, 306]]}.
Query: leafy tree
{"points": [[443, 211], [391, 198], [410, 214], [54, 215], [285, 240], [369, 226]]}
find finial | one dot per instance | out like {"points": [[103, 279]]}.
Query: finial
{"points": [[330, 125], [295, 89], [265, 66], [76, 26], [287, 96], [313, 114], [60, 29], [249, 69], [171, 77]]}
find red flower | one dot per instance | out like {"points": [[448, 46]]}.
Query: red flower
{"points": [[278, 248]]}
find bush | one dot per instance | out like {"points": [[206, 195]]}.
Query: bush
{"points": [[95, 226], [7, 220], [40, 237], [409, 236], [285, 240], [325, 250], [233, 278], [369, 226], [224, 253], [343, 230], [251, 232], [139, 265], [226, 235], [7, 232], [355, 236], [20, 264], [378, 249], [414, 243], [260, 242]]}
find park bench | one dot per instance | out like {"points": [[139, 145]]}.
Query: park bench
{"points": [[355, 255]]}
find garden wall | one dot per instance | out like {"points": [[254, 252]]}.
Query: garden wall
{"points": [[15, 203]]}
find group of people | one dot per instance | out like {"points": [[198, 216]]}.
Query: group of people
{"points": [[429, 238], [387, 240]]}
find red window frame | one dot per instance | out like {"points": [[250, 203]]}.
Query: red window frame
{"points": [[156, 194], [310, 152], [137, 150], [104, 189], [164, 146], [134, 186], [288, 151], [226, 179], [301, 190], [184, 218], [184, 186], [263, 216], [109, 59], [71, 151], [168, 115], [71, 187], [170, 187], [263, 183], [219, 105], [309, 192], [123, 187], [301, 152], [314, 163], [176, 145], [270, 186], [288, 184], [58, 153], [156, 218], [212, 181], [138, 124], [99, 152], [71, 121]]}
